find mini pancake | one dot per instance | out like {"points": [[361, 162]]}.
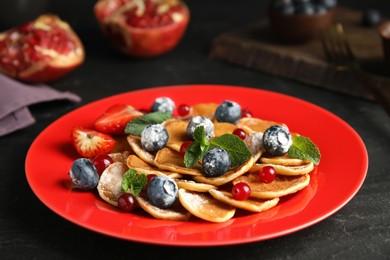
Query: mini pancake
{"points": [[281, 186], [110, 182], [228, 176], [134, 162], [204, 206], [251, 204], [194, 186], [177, 133], [176, 212], [168, 159], [135, 143], [294, 170], [204, 109], [283, 160], [252, 124], [119, 157]]}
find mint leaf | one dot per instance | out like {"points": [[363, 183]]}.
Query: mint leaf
{"points": [[303, 148], [135, 126], [237, 149], [198, 148], [133, 182]]}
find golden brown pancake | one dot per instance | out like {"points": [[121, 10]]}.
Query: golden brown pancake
{"points": [[134, 162], [135, 143], [194, 186], [283, 160], [204, 109], [168, 159], [251, 204], [204, 206], [252, 124], [176, 212], [281, 186], [294, 170], [177, 133], [110, 182]]}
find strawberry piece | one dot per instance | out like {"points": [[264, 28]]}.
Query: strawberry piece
{"points": [[90, 143], [115, 119]]}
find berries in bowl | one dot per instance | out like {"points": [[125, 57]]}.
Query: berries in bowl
{"points": [[298, 21], [143, 28], [384, 31]]}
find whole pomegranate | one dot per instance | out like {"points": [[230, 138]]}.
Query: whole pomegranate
{"points": [[40, 51], [143, 28]]}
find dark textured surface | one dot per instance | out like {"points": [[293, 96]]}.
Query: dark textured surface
{"points": [[29, 230]]}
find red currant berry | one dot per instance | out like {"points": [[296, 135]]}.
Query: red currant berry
{"points": [[240, 133], [149, 177], [126, 202], [245, 112], [184, 146], [183, 110], [241, 191], [267, 174], [101, 162]]}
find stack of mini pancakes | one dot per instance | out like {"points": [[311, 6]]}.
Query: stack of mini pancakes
{"points": [[206, 198]]}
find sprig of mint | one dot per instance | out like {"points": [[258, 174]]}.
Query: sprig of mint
{"points": [[135, 126], [303, 148], [133, 182], [198, 147], [236, 148]]}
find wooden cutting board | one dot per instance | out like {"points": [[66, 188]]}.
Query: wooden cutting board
{"points": [[256, 47]]}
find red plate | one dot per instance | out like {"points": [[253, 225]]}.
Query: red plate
{"points": [[339, 176]]}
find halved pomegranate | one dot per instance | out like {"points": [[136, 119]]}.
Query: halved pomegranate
{"points": [[39, 51], [143, 28]]}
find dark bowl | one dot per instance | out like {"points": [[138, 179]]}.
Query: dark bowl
{"points": [[299, 28], [384, 31]]}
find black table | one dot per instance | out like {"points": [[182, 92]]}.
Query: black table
{"points": [[29, 230]]}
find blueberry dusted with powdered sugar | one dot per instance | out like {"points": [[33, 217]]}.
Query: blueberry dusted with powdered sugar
{"points": [[197, 121], [216, 162], [163, 104], [162, 191], [277, 140], [83, 174], [154, 137]]}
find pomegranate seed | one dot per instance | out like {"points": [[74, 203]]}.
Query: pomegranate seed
{"points": [[101, 162], [184, 146], [246, 113], [241, 191], [126, 202], [267, 174], [183, 110], [240, 133]]}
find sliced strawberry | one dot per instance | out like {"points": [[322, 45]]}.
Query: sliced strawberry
{"points": [[115, 119], [90, 143]]}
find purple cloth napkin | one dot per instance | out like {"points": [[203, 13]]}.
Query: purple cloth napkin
{"points": [[15, 97]]}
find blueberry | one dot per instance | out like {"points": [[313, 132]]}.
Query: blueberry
{"points": [[371, 18], [228, 111], [277, 140], [200, 121], [216, 162], [163, 104], [154, 137], [328, 4], [162, 191], [84, 174], [284, 6], [305, 8]]}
